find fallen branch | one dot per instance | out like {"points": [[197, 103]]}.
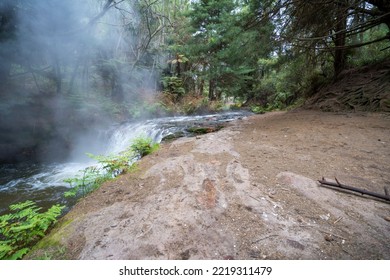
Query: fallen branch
{"points": [[361, 191], [338, 220]]}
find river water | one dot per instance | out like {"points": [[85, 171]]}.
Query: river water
{"points": [[44, 183]]}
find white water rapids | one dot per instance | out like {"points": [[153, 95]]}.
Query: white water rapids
{"points": [[45, 183]]}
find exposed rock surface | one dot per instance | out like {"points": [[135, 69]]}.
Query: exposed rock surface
{"points": [[248, 191]]}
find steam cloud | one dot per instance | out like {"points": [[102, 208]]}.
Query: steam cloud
{"points": [[63, 66]]}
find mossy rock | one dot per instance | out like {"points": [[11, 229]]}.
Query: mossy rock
{"points": [[203, 129], [52, 247], [173, 136]]}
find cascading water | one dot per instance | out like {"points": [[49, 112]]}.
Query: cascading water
{"points": [[45, 185]]}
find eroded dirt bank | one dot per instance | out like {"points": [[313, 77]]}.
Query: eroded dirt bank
{"points": [[248, 191]]}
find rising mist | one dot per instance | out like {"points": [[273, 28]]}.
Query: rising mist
{"points": [[68, 69]]}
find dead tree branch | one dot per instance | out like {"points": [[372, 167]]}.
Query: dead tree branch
{"points": [[361, 191]]}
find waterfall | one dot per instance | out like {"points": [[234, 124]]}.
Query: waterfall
{"points": [[46, 181]]}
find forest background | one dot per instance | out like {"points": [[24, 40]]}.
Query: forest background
{"points": [[70, 68]]}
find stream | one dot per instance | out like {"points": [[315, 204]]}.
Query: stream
{"points": [[44, 183]]}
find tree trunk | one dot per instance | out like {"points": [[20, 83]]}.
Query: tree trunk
{"points": [[178, 66], [211, 89], [201, 87], [218, 94], [339, 40]]}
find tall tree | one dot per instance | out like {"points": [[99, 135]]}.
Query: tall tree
{"points": [[222, 51], [328, 26]]}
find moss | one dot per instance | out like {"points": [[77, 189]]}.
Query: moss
{"points": [[173, 136], [51, 246], [203, 130]]}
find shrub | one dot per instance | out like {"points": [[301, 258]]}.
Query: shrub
{"points": [[91, 179], [111, 166], [174, 85], [115, 164], [23, 227], [258, 109], [143, 146]]}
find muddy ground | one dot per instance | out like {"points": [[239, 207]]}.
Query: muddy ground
{"points": [[248, 191]]}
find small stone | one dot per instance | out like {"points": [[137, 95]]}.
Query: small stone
{"points": [[329, 237], [387, 218]]}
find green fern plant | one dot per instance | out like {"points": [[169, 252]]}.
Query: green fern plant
{"points": [[144, 146], [23, 227], [111, 166], [91, 178], [115, 164]]}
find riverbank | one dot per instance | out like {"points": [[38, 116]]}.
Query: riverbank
{"points": [[248, 191]]}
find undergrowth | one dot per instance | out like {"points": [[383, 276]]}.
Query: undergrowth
{"points": [[23, 227], [143, 146], [109, 167], [26, 224]]}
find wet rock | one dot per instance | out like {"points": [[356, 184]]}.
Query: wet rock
{"points": [[203, 129], [173, 136]]}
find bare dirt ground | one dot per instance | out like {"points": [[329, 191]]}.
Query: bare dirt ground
{"points": [[248, 191]]}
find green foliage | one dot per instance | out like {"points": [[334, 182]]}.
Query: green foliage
{"points": [[173, 85], [232, 51], [115, 164], [280, 100], [189, 108], [143, 146], [257, 109], [288, 78], [23, 227], [222, 51], [180, 58], [203, 130], [372, 53], [110, 166], [91, 178], [54, 253]]}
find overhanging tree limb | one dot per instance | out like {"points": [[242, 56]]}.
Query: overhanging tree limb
{"points": [[346, 47], [108, 5], [348, 31]]}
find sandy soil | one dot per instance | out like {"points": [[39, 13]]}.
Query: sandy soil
{"points": [[248, 191]]}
